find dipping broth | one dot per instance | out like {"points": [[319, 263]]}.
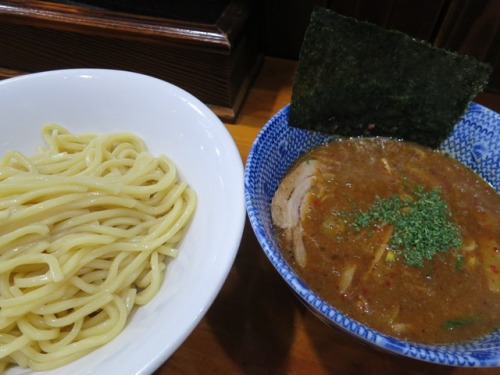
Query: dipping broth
{"points": [[332, 215]]}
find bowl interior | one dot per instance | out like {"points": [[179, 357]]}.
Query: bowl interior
{"points": [[475, 142], [174, 123]]}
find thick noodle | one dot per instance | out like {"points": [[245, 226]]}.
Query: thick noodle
{"points": [[88, 224]]}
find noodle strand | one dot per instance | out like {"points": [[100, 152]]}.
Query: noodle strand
{"points": [[88, 224]]}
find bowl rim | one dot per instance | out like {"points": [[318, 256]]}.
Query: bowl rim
{"points": [[457, 355], [234, 181]]}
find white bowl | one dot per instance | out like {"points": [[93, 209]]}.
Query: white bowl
{"points": [[475, 141], [174, 123]]}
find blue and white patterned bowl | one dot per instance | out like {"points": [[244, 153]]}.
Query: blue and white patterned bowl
{"points": [[475, 141]]}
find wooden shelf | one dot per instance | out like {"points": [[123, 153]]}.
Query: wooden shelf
{"points": [[215, 62]]}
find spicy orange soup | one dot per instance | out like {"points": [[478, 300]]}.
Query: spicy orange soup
{"points": [[345, 237]]}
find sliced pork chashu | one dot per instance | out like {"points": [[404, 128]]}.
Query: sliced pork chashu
{"points": [[289, 205]]}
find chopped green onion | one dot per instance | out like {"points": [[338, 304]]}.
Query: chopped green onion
{"points": [[422, 224], [460, 322]]}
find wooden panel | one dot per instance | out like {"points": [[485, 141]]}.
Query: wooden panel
{"points": [[473, 28], [94, 21], [206, 11], [214, 62]]}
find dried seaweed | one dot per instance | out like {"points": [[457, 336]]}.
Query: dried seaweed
{"points": [[355, 78]]}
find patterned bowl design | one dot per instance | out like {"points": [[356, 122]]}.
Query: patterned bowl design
{"points": [[475, 141]]}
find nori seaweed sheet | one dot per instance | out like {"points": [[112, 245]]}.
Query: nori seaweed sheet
{"points": [[354, 78]]}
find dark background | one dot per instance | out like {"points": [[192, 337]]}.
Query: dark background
{"points": [[470, 27]]}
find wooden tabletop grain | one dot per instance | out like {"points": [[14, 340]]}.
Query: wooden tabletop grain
{"points": [[257, 325]]}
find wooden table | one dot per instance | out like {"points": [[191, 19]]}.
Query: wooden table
{"points": [[257, 325]]}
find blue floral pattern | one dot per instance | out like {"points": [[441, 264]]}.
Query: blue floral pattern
{"points": [[475, 141]]}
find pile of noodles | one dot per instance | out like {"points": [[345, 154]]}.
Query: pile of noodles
{"points": [[87, 225]]}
